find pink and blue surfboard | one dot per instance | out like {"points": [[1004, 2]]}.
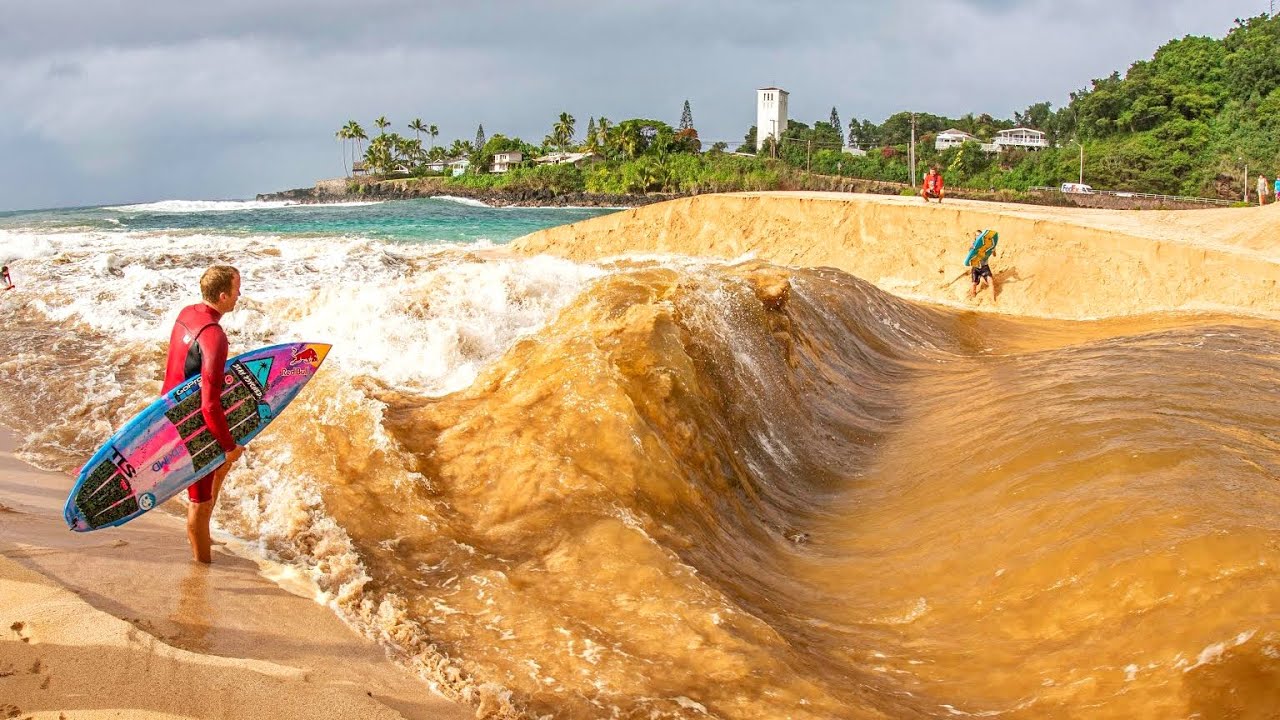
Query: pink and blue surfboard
{"points": [[167, 447]]}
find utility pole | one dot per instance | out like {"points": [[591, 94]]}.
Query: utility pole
{"points": [[1081, 161], [1246, 183], [910, 151], [808, 156]]}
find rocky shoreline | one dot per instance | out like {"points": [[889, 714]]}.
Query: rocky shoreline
{"points": [[348, 190]]}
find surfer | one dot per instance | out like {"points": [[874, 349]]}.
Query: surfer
{"points": [[984, 246], [197, 345], [5, 280]]}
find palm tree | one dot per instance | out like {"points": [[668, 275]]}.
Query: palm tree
{"points": [[417, 127], [602, 134], [562, 131], [355, 134], [433, 131], [460, 149], [344, 134], [383, 123]]}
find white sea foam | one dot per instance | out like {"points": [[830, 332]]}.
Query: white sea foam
{"points": [[199, 206], [422, 317], [461, 201]]}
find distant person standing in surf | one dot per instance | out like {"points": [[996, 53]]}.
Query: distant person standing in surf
{"points": [[5, 279], [197, 345]]}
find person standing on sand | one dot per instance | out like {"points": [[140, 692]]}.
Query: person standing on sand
{"points": [[932, 185], [1277, 192], [1263, 187], [197, 345], [984, 246]]}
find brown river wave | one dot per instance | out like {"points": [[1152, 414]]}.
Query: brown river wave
{"points": [[750, 491]]}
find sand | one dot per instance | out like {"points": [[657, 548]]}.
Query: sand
{"points": [[121, 624], [1069, 263]]}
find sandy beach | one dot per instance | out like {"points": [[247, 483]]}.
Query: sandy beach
{"points": [[124, 624]]}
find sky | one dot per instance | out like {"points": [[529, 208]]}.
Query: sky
{"points": [[115, 101]]}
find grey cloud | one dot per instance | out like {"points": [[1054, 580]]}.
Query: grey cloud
{"points": [[152, 100]]}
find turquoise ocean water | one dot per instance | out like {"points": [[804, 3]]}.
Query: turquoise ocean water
{"points": [[433, 220]]}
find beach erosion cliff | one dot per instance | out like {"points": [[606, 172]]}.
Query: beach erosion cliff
{"points": [[1065, 263]]}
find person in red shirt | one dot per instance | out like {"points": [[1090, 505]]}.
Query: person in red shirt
{"points": [[932, 185], [197, 345]]}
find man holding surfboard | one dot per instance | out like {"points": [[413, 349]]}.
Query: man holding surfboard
{"points": [[198, 346], [980, 252]]}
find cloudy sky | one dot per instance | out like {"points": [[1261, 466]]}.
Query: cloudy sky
{"points": [[132, 100]]}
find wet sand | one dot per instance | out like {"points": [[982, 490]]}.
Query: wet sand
{"points": [[122, 623]]}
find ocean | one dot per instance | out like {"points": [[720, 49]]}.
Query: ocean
{"points": [[665, 487]]}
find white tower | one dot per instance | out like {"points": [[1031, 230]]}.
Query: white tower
{"points": [[771, 114]]}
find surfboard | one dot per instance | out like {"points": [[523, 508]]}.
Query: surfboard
{"points": [[167, 446]]}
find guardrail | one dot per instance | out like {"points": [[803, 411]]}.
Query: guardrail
{"points": [[1125, 194]]}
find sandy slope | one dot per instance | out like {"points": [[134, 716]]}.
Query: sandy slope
{"points": [[120, 623], [1053, 262]]}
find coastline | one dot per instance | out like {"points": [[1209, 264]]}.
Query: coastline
{"points": [[366, 188], [123, 622]]}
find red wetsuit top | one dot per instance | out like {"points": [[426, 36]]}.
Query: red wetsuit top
{"points": [[933, 184], [198, 345]]}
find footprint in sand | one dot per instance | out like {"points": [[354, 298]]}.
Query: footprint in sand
{"points": [[17, 628], [9, 711]]}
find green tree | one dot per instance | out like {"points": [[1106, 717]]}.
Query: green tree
{"points": [[562, 131], [417, 127], [835, 123], [686, 117], [479, 143], [383, 123], [343, 135]]}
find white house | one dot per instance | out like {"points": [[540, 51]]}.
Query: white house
{"points": [[1024, 138], [437, 166], [458, 167], [952, 138], [504, 161], [771, 114], [854, 151], [565, 158]]}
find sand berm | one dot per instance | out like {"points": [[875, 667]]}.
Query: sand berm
{"points": [[1068, 263]]}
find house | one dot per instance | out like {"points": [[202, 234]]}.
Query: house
{"points": [[505, 161], [952, 138], [566, 158], [437, 166], [459, 166], [1023, 138], [359, 168], [771, 114], [854, 151]]}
